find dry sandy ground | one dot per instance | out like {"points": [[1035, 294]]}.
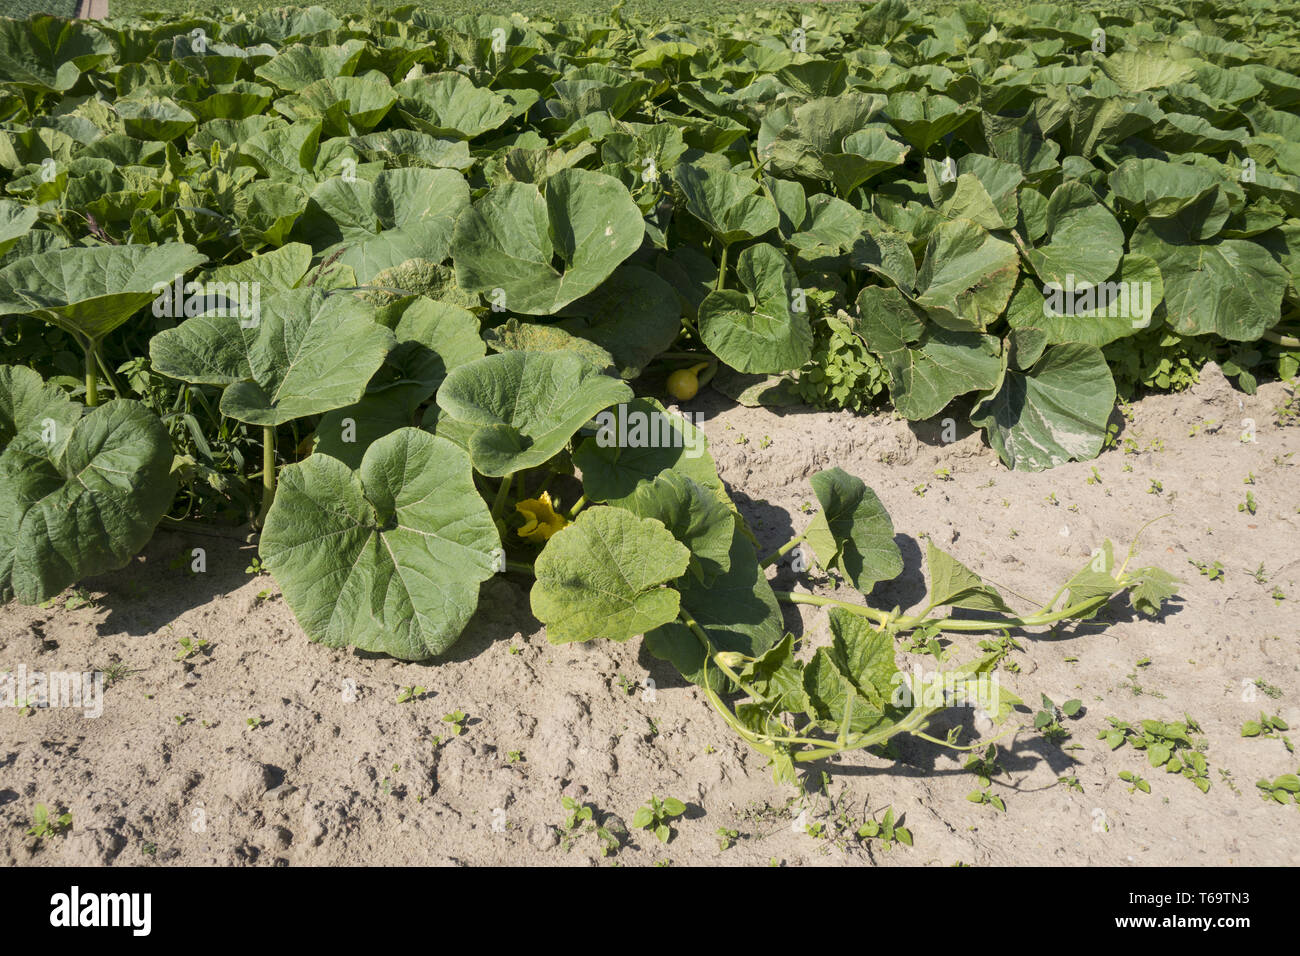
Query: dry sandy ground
{"points": [[173, 773]]}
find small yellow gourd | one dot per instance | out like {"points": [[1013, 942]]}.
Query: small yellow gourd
{"points": [[683, 383]]}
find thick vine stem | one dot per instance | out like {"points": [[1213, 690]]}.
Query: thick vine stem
{"points": [[92, 380], [886, 619], [1277, 338], [781, 551], [268, 474], [503, 495]]}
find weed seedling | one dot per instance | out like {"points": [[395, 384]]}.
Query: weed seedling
{"points": [[192, 647], [1137, 782], [656, 815], [985, 769], [1248, 504], [1213, 571], [405, 694], [1167, 745], [1270, 691], [457, 720], [1048, 720], [888, 831], [44, 825], [727, 838], [986, 796], [1284, 788], [1268, 727]]}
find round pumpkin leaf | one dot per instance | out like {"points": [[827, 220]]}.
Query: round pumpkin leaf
{"points": [[1054, 412], [525, 406], [404, 214], [386, 558], [605, 576], [758, 330], [91, 291], [544, 248], [83, 506]]}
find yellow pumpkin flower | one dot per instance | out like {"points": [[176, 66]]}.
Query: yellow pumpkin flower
{"points": [[540, 519]]}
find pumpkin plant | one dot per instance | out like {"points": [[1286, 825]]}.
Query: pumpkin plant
{"points": [[388, 554]]}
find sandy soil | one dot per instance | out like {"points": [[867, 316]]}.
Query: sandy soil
{"points": [[172, 772]]}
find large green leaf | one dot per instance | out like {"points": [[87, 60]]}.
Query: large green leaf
{"points": [[1052, 413], [449, 104], [91, 291], [925, 119], [967, 277], [49, 54], [1137, 70], [1232, 287], [952, 584], [884, 250], [404, 214], [864, 655], [1085, 241], [758, 330], [31, 407], [82, 506], [298, 66], [344, 104], [725, 202], [388, 557], [546, 248], [1095, 315], [826, 139], [849, 685], [1153, 187], [15, 220], [605, 576], [525, 406], [304, 354], [634, 315], [155, 118], [928, 366], [275, 271], [853, 532], [516, 336], [693, 514], [984, 190]]}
